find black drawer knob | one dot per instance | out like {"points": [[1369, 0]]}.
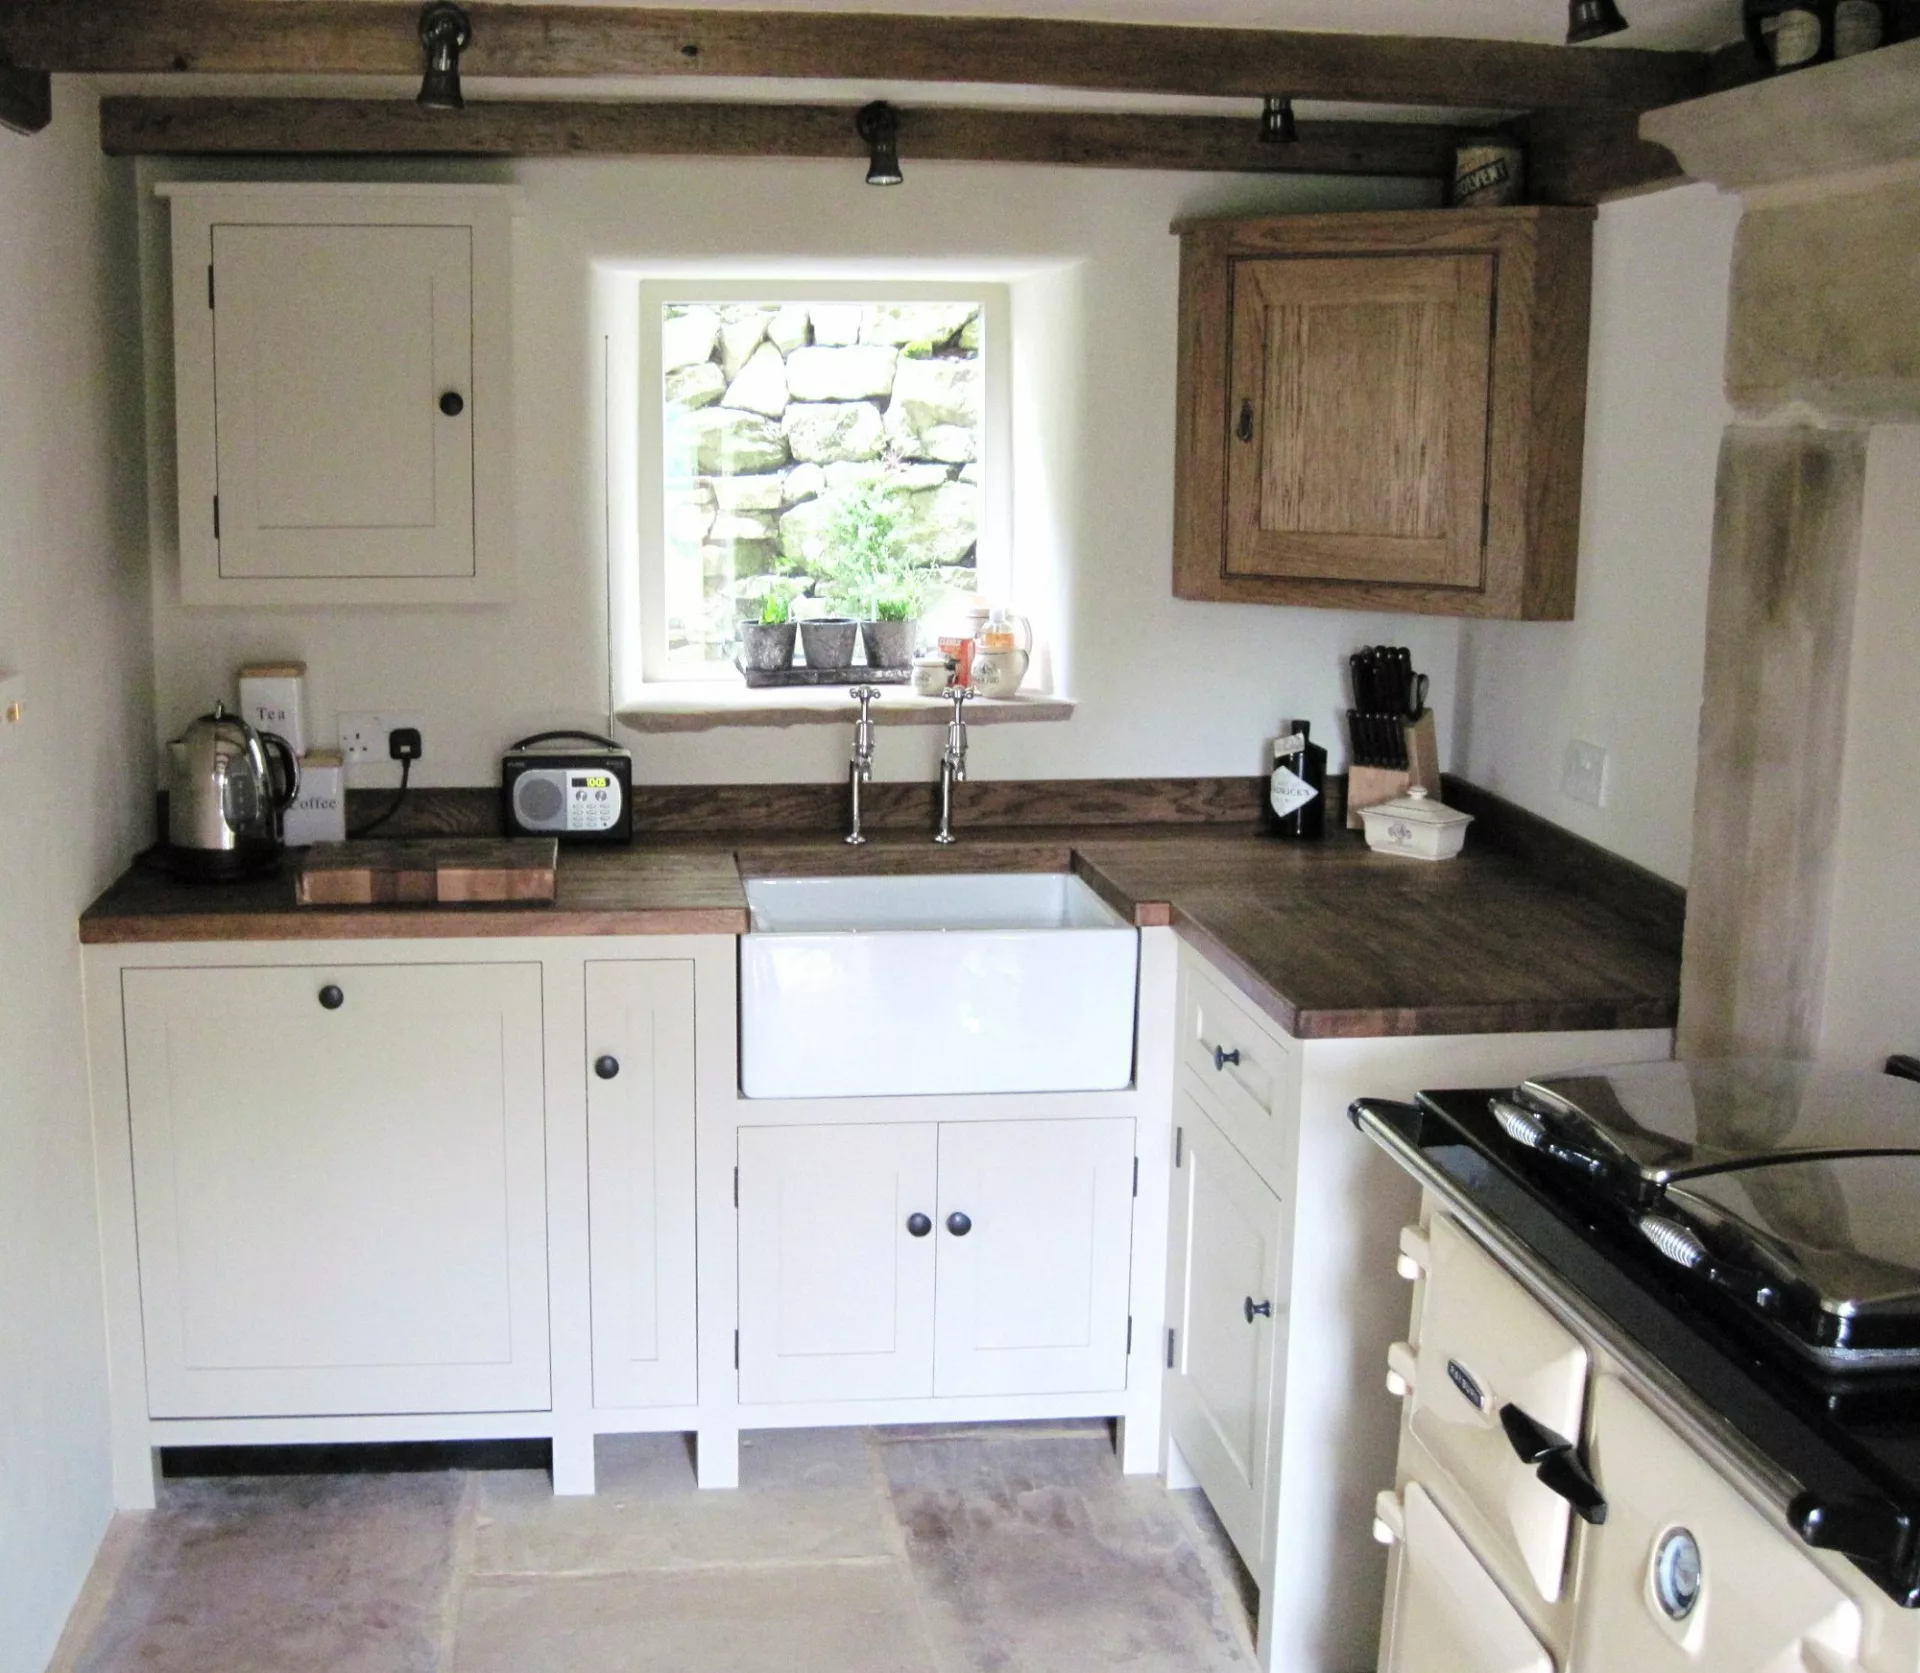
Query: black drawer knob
{"points": [[918, 1225], [606, 1067], [1258, 1309], [959, 1224], [331, 998], [452, 403], [1222, 1057]]}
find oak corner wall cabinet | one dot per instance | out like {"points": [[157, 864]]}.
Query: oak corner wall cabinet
{"points": [[1383, 411], [343, 393]]}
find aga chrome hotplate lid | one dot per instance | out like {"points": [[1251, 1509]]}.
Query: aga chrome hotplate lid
{"points": [[1634, 1130]]}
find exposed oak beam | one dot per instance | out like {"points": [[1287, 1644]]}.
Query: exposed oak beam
{"points": [[542, 128], [349, 37], [26, 100], [1592, 157]]}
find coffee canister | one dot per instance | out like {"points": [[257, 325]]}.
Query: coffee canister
{"points": [[1489, 172]]}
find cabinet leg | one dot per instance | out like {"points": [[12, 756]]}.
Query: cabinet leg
{"points": [[716, 1457], [1138, 1445], [573, 1464], [136, 1476], [1180, 1474]]}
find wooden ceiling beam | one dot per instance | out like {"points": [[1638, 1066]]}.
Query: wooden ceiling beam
{"points": [[26, 100], [662, 128], [357, 37]]}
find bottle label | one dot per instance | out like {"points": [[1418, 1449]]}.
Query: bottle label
{"points": [[1796, 38], [1289, 792], [1857, 27]]}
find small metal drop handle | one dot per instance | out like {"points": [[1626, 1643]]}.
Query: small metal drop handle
{"points": [[959, 1224], [918, 1225], [453, 404], [606, 1067], [1261, 1310], [331, 998], [1244, 429], [1222, 1057]]}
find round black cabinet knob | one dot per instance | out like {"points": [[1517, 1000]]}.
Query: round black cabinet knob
{"points": [[606, 1067], [919, 1225], [331, 998], [1222, 1057], [452, 403], [1258, 1309], [959, 1224]]}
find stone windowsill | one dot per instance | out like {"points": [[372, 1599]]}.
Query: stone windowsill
{"points": [[698, 706]]}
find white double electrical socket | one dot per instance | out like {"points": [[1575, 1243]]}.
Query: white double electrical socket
{"points": [[1584, 776], [363, 736]]}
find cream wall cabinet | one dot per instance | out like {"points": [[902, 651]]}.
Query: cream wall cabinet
{"points": [[343, 393], [340, 1185], [896, 1260], [640, 1080]]}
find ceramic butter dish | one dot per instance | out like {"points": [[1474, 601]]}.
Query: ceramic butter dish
{"points": [[1417, 826]]}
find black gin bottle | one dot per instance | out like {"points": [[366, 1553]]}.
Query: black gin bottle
{"points": [[1296, 793]]}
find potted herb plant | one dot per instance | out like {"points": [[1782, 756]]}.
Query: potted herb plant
{"points": [[767, 645], [873, 575]]}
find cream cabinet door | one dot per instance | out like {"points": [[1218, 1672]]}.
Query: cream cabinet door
{"points": [[339, 1177], [1685, 1576], [343, 395], [1446, 1613], [836, 1290], [1228, 1260], [1035, 1233], [639, 1073]]}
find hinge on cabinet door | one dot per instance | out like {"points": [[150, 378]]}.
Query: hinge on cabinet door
{"points": [[209, 284], [1129, 1334], [1179, 1133], [1169, 1347], [216, 516], [1136, 1176], [736, 1187], [736, 1350]]}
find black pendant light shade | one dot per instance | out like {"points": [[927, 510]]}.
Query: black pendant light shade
{"points": [[444, 31], [1276, 122], [878, 126], [1591, 20]]}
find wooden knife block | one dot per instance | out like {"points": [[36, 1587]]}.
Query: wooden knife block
{"points": [[1370, 786]]}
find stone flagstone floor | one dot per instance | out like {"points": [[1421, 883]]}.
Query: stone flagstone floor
{"points": [[1005, 1549]]}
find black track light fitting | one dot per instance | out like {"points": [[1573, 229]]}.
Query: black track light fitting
{"points": [[445, 30], [1592, 20], [878, 126], [1276, 121]]}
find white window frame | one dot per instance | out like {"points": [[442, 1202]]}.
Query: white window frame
{"points": [[643, 548]]}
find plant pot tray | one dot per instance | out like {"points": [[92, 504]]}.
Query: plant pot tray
{"points": [[858, 674]]}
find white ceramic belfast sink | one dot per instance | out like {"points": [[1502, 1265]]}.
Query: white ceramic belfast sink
{"points": [[873, 986]]}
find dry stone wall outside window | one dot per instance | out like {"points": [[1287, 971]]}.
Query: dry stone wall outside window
{"points": [[787, 425]]}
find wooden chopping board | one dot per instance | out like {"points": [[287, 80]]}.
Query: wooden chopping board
{"points": [[442, 871]]}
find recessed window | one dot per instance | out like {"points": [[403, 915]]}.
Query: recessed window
{"points": [[816, 450]]}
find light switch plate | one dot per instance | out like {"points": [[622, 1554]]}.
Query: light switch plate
{"points": [[13, 712], [1584, 777]]}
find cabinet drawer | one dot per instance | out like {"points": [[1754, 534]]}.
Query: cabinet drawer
{"points": [[1244, 1071], [1486, 1344]]}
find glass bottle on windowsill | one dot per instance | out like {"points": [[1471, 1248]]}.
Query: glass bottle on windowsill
{"points": [[1296, 792]]}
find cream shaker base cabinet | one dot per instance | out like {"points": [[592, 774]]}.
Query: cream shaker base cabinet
{"points": [[339, 1188], [900, 1260], [1227, 1323], [640, 1181]]}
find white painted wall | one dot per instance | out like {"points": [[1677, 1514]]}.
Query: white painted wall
{"points": [[74, 804], [1872, 1001], [1165, 687], [1626, 672]]}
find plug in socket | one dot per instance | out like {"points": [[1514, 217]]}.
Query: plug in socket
{"points": [[366, 741]]}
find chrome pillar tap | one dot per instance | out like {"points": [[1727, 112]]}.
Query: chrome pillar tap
{"points": [[860, 767], [953, 761]]}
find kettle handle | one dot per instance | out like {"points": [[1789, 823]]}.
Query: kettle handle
{"points": [[274, 744]]}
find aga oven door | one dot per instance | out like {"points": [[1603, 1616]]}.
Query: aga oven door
{"points": [[1446, 1614], [1685, 1574]]}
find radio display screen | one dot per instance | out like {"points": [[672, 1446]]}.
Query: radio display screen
{"points": [[595, 781]]}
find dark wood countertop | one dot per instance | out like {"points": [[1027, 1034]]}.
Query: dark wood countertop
{"points": [[1328, 938]]}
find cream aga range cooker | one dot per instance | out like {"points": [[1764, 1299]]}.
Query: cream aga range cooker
{"points": [[1661, 1394]]}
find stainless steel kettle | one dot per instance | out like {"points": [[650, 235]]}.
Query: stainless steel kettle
{"points": [[228, 786]]}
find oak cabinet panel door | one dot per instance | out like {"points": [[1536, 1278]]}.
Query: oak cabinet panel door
{"points": [[1360, 418], [1033, 1294], [343, 395], [1228, 1250], [640, 1181], [836, 1291], [340, 1189]]}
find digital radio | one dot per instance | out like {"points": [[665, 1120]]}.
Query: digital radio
{"points": [[581, 793]]}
